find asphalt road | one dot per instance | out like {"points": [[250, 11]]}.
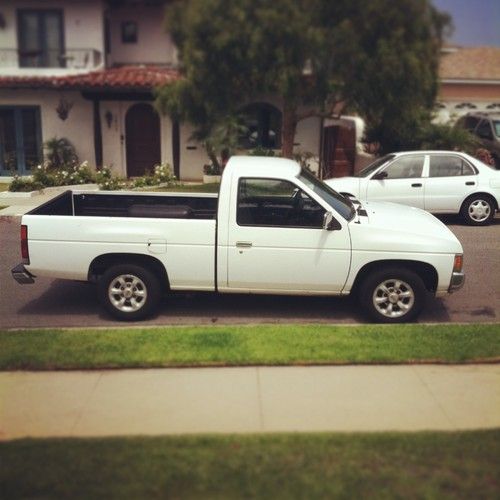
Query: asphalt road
{"points": [[58, 303]]}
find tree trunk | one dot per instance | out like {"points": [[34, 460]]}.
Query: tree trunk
{"points": [[288, 129]]}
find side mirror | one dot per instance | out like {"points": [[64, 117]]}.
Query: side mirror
{"points": [[380, 175], [330, 223]]}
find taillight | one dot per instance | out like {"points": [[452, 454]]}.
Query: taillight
{"points": [[458, 263], [24, 245]]}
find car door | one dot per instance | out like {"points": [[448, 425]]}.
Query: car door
{"points": [[276, 243], [400, 181], [451, 179]]}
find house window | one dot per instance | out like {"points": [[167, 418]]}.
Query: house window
{"points": [[40, 38], [20, 139], [129, 32], [263, 123]]}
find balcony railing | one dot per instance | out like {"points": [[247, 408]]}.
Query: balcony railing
{"points": [[72, 59]]}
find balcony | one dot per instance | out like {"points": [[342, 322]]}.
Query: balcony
{"points": [[49, 62]]}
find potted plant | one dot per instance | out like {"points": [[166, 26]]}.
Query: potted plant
{"points": [[211, 173]]}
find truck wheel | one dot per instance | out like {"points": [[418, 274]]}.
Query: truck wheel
{"points": [[392, 295], [478, 210], [129, 292]]}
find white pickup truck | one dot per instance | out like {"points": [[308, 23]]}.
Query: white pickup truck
{"points": [[272, 229]]}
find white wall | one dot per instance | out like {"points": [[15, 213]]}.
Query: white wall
{"points": [[83, 28], [153, 43]]}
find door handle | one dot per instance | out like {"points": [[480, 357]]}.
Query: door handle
{"points": [[416, 185], [243, 244], [470, 183]]}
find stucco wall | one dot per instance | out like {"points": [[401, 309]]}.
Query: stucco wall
{"points": [[153, 43]]}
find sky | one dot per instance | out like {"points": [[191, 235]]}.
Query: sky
{"points": [[477, 22]]}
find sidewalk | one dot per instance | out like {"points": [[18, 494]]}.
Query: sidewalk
{"points": [[249, 400]]}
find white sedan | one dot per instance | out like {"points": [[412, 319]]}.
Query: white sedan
{"points": [[441, 182]]}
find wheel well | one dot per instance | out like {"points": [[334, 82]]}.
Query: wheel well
{"points": [[486, 195], [100, 264], [427, 273]]}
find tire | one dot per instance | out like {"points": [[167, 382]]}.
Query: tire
{"points": [[129, 292], [478, 210], [392, 295]]}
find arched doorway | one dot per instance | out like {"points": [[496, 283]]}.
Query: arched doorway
{"points": [[142, 132]]}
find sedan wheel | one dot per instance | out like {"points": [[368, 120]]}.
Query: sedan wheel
{"points": [[478, 210]]}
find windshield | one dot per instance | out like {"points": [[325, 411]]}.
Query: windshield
{"points": [[341, 204], [374, 165]]}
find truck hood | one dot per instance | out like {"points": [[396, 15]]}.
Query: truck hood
{"points": [[387, 226]]}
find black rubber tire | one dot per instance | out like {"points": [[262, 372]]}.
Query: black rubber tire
{"points": [[475, 198], [374, 280], [151, 284]]}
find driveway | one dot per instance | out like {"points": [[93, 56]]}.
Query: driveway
{"points": [[52, 303]]}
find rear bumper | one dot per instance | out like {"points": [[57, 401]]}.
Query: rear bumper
{"points": [[21, 275], [457, 282]]}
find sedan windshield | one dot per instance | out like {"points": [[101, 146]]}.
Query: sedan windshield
{"points": [[341, 204], [374, 165]]}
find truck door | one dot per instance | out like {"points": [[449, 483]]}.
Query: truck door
{"points": [[276, 242]]}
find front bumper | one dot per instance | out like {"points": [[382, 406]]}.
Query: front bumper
{"points": [[457, 282], [22, 276]]}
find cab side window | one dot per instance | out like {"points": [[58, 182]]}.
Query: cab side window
{"points": [[448, 166], [406, 167], [276, 203]]}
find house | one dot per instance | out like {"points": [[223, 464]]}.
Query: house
{"points": [[470, 81], [86, 70]]}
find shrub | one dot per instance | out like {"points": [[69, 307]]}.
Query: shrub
{"points": [[60, 153], [109, 182], [24, 185], [211, 169]]}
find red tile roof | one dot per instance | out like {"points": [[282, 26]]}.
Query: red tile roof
{"points": [[473, 63], [121, 78]]}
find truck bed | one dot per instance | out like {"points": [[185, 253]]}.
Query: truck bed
{"points": [[126, 204]]}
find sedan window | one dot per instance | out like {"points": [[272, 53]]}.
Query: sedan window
{"points": [[374, 165], [406, 167], [448, 166]]}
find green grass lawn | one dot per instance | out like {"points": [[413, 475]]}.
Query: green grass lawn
{"points": [[348, 466], [4, 186], [247, 345]]}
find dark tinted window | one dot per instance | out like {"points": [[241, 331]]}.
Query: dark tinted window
{"points": [[484, 130]]}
